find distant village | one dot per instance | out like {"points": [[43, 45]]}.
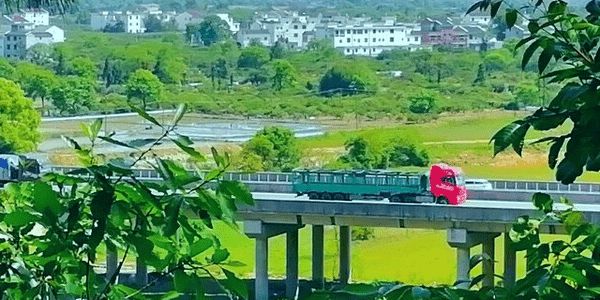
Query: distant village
{"points": [[350, 35]]}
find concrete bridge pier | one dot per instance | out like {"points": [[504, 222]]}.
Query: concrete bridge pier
{"points": [[261, 232], [318, 256], [345, 254], [510, 262], [463, 240]]}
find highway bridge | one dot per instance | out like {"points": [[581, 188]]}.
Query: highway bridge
{"points": [[484, 217]]}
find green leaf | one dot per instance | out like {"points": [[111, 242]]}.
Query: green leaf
{"points": [[494, 9], [575, 158], [181, 109], [138, 143], [238, 190], [172, 215], [44, 199], [115, 142], [518, 139], [506, 136], [554, 151], [217, 157], [573, 220], [184, 283], [568, 96], [533, 26], [19, 218], [474, 7], [511, 17], [529, 52], [420, 293], [235, 285], [143, 247], [524, 41], [545, 57], [219, 256], [144, 114], [543, 202], [91, 131], [200, 246], [197, 156], [71, 142], [171, 295], [569, 272]]}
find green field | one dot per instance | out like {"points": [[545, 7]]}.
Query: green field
{"points": [[411, 256]]}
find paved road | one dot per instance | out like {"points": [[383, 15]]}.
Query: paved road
{"points": [[469, 203]]}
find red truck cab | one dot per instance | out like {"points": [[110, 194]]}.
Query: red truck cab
{"points": [[447, 184]]}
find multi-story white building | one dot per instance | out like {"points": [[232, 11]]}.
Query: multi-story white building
{"points": [[256, 32], [370, 39], [477, 18], [39, 17], [132, 22], [23, 36]]}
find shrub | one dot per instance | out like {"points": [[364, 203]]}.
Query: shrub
{"points": [[362, 233]]}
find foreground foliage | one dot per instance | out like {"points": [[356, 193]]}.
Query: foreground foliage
{"points": [[52, 230]]}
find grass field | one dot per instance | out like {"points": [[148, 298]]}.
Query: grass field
{"points": [[411, 256]]}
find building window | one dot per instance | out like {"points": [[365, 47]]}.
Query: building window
{"points": [[374, 31], [359, 31], [391, 40], [7, 47], [336, 32], [416, 38], [348, 40], [265, 38], [295, 35], [348, 31], [374, 40], [347, 50], [354, 31], [303, 26], [364, 49], [295, 26], [341, 41], [391, 30]]}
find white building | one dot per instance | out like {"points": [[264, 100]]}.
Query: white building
{"points": [[39, 17], [234, 27], [23, 36], [256, 32], [132, 22], [186, 18], [370, 39], [477, 18]]}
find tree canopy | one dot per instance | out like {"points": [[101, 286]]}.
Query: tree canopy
{"points": [[19, 121], [276, 147], [144, 86]]}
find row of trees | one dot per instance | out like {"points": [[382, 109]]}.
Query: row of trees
{"points": [[276, 149]]}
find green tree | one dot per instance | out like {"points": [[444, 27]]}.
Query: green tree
{"points": [[285, 74], [528, 94], [218, 71], [422, 104], [144, 86], [61, 65], [480, 78], [73, 95], [169, 69], [119, 26], [277, 51], [253, 57], [192, 33], [7, 70], [84, 67], [401, 153], [41, 55], [153, 24], [277, 148], [346, 79], [359, 154], [213, 30], [19, 121], [497, 60], [36, 81]]}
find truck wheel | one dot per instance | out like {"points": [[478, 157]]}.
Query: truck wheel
{"points": [[442, 200], [326, 196], [313, 195], [339, 196], [395, 198]]}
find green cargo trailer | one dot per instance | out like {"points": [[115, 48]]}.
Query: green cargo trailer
{"points": [[343, 185]]}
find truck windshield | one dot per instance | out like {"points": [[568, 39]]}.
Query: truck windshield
{"points": [[460, 180]]}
